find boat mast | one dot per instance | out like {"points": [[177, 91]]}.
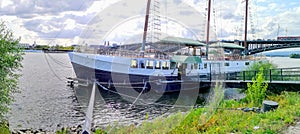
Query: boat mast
{"points": [[246, 27], [208, 25], [145, 28]]}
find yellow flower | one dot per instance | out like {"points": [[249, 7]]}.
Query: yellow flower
{"points": [[217, 129]]}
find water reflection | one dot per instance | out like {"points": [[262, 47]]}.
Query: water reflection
{"points": [[111, 107]]}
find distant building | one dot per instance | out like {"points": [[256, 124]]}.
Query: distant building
{"points": [[25, 45], [74, 45], [288, 38]]}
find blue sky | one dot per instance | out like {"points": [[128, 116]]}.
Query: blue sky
{"points": [[76, 21]]}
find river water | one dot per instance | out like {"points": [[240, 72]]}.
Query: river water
{"points": [[46, 102], [284, 62]]}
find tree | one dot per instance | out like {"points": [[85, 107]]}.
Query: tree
{"points": [[10, 64]]}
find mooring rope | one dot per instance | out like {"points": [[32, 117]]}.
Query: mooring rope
{"points": [[133, 103], [246, 109], [142, 100], [58, 62], [51, 69]]}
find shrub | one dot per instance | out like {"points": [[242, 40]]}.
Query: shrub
{"points": [[10, 58], [294, 55], [256, 92], [252, 70]]}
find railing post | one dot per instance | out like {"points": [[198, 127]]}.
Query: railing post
{"points": [[244, 77], [281, 74], [270, 75], [227, 76], [209, 72]]}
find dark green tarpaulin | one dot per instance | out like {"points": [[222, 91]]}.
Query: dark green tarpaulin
{"points": [[186, 59], [181, 41], [226, 45]]}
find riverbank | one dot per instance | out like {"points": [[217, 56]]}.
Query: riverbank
{"points": [[227, 119], [4, 129]]}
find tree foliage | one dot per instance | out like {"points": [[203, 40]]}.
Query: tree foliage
{"points": [[266, 65], [252, 70], [10, 63]]}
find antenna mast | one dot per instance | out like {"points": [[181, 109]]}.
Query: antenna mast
{"points": [[145, 28], [246, 27], [208, 25]]}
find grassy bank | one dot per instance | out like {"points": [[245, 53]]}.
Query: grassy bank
{"points": [[226, 119]]}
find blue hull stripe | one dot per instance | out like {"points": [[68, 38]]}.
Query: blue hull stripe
{"points": [[132, 81]]}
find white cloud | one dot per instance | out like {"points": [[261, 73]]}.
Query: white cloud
{"points": [[6, 3], [272, 6], [261, 0], [64, 21], [69, 24], [98, 6]]}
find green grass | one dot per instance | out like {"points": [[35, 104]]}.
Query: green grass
{"points": [[225, 120], [4, 128]]}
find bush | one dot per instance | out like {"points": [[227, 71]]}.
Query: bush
{"points": [[266, 65], [256, 91], [10, 58], [294, 55], [252, 70]]}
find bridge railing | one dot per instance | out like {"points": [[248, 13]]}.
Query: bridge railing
{"points": [[281, 74]]}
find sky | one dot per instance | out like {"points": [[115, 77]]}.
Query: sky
{"points": [[67, 22]]}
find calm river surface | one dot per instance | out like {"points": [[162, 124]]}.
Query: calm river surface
{"points": [[46, 102]]}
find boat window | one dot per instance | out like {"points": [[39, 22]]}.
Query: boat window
{"points": [[165, 65], [149, 64], [196, 66], [226, 64], [173, 65], [142, 64], [247, 63], [133, 63], [205, 65], [184, 65], [157, 65], [178, 65]]}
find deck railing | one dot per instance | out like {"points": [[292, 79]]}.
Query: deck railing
{"points": [[281, 74], [127, 53]]}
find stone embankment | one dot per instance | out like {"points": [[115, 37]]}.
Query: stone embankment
{"points": [[69, 130], [295, 129]]}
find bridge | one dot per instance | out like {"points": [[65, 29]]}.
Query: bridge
{"points": [[254, 47], [278, 79], [262, 45]]}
